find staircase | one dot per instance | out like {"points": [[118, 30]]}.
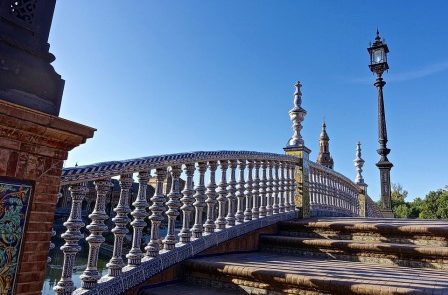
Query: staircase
{"points": [[328, 256]]}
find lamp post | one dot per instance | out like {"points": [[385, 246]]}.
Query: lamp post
{"points": [[378, 64]]}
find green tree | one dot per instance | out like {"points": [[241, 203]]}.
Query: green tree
{"points": [[400, 207], [435, 205]]}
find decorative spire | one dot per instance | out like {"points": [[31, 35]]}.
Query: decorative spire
{"points": [[359, 163], [297, 115], [324, 158]]}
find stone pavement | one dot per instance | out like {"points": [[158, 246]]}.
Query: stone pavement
{"points": [[353, 277]]}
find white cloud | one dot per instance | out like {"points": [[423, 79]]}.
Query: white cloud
{"points": [[409, 75]]}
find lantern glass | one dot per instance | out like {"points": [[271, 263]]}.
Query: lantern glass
{"points": [[378, 56]]}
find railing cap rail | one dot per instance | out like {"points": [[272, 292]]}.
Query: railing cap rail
{"points": [[115, 168]]}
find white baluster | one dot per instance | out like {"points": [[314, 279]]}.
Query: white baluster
{"points": [[199, 203], [173, 204], [121, 220], [248, 192], [256, 191], [90, 276], [269, 190], [138, 223], [277, 185], [282, 190], [287, 187], [221, 220], [211, 199], [72, 236], [231, 198], [293, 187], [157, 208], [187, 207], [240, 194], [263, 188]]}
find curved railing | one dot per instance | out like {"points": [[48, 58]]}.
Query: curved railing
{"points": [[255, 190], [372, 209], [331, 193]]}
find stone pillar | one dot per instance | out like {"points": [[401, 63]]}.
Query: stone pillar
{"points": [[359, 180], [296, 147], [301, 176], [33, 147], [362, 201]]}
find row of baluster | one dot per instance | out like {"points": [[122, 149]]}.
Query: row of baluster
{"points": [[269, 189], [331, 192]]}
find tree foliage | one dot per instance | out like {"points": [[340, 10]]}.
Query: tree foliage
{"points": [[433, 206]]}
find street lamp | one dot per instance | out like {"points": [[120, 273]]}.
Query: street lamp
{"points": [[378, 64]]}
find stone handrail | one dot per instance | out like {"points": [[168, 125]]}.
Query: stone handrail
{"points": [[262, 194], [331, 193]]}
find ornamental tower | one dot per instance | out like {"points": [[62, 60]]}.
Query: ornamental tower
{"points": [[324, 158]]}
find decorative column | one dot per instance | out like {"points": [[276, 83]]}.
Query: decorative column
{"points": [[121, 220], [221, 220], [359, 180], [169, 243], [231, 198], [211, 199], [96, 228], [199, 203], [256, 191], [72, 236], [135, 254], [240, 194], [296, 147], [263, 189], [157, 208], [248, 192], [187, 207]]}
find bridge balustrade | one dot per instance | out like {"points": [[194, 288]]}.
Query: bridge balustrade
{"points": [[331, 193], [254, 190]]}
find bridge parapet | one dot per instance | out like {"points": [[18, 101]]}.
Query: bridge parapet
{"points": [[331, 193], [263, 195]]}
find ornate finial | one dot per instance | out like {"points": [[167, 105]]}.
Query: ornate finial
{"points": [[359, 163], [378, 37], [298, 95], [297, 115]]}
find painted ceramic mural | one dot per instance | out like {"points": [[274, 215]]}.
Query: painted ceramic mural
{"points": [[14, 201]]}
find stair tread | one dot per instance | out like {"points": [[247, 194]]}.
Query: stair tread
{"points": [[380, 245], [409, 226], [381, 278], [183, 288]]}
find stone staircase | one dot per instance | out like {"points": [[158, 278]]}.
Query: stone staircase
{"points": [[328, 256]]}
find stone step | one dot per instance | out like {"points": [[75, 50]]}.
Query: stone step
{"points": [[421, 232], [184, 288], [385, 253], [271, 273]]}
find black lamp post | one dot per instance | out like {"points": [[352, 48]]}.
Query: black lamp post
{"points": [[378, 64]]}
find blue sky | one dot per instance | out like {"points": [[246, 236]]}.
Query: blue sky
{"points": [[171, 76]]}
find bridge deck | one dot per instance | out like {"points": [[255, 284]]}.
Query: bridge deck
{"points": [[361, 278]]}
